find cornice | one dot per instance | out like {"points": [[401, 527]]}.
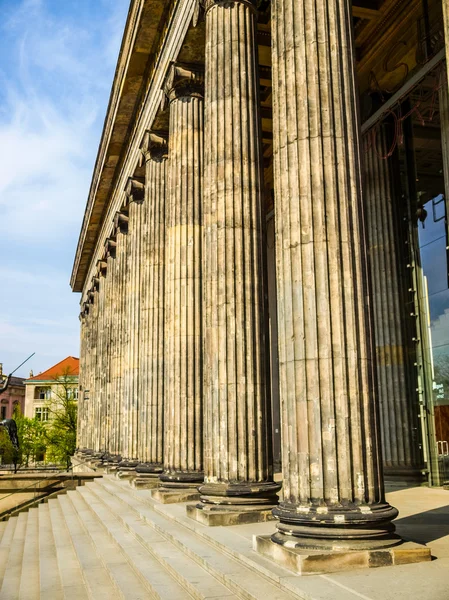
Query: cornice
{"points": [[138, 51], [174, 32]]}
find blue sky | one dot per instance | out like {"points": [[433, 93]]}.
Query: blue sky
{"points": [[57, 62]]}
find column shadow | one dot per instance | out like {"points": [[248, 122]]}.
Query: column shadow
{"points": [[425, 527]]}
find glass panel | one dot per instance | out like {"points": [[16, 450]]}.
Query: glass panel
{"points": [[435, 305]]}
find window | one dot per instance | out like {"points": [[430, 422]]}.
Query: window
{"points": [[43, 393], [41, 413], [72, 393], [3, 416]]}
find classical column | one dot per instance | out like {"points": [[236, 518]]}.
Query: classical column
{"points": [[113, 274], [396, 375], [99, 366], [121, 227], [154, 152], [183, 451], [81, 420], [102, 283], [93, 387], [332, 466], [134, 192], [238, 472]]}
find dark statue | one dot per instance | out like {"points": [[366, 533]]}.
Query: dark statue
{"points": [[9, 424]]}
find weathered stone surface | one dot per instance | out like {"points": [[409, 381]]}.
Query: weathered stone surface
{"points": [[333, 484], [135, 193], [183, 394], [151, 374], [236, 391], [314, 563], [226, 518], [165, 496], [396, 373]]}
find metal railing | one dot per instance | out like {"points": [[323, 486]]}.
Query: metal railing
{"points": [[38, 488]]}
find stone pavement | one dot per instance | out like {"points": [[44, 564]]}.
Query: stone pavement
{"points": [[424, 518]]}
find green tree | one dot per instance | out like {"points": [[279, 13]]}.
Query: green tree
{"points": [[32, 441], [60, 430], [7, 450]]}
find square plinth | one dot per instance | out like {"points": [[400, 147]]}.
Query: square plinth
{"points": [[175, 496], [145, 482], [225, 518], [318, 562], [125, 474]]}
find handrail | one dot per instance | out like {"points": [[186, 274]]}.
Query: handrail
{"points": [[37, 483]]}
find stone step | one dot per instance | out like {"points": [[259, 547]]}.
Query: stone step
{"points": [[97, 578], [116, 561], [29, 581], [2, 528], [236, 576], [193, 581], [223, 539], [161, 583], [237, 542], [13, 568], [50, 585], [5, 544], [69, 567]]}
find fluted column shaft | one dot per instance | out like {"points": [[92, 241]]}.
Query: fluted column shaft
{"points": [[396, 376], [113, 267], [183, 294], [153, 295], [100, 363], [94, 398], [236, 374], [81, 381], [135, 194], [122, 276], [330, 431], [108, 280]]}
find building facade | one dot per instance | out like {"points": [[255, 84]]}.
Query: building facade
{"points": [[263, 261], [12, 397], [44, 390]]}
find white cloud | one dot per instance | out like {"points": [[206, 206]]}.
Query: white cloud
{"points": [[56, 71]]}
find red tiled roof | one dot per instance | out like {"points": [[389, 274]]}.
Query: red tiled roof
{"points": [[69, 366]]}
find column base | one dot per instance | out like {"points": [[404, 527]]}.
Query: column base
{"points": [[336, 527], [146, 476], [178, 486], [317, 562], [126, 469], [235, 503], [218, 516]]}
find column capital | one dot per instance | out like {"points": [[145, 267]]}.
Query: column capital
{"points": [[110, 246], [102, 267], [134, 190], [206, 5], [154, 145], [184, 81], [120, 223]]}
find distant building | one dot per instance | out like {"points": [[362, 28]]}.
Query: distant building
{"points": [[41, 388], [13, 396]]}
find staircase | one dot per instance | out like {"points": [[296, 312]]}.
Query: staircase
{"points": [[106, 540]]}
